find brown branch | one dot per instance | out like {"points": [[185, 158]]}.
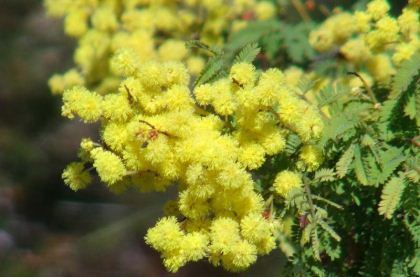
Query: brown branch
{"points": [[300, 8], [156, 129], [368, 90]]}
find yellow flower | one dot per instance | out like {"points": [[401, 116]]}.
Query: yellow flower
{"points": [[75, 23], [59, 83], [194, 246], [377, 8], [195, 64], [255, 228], [265, 10], [362, 21], [311, 156], [252, 155], [355, 50], [172, 50], [76, 177], [83, 103], [116, 107], [242, 255], [408, 22], [125, 62], [404, 51], [104, 19], [285, 181], [321, 39], [243, 74], [381, 68], [166, 235], [109, 166]]}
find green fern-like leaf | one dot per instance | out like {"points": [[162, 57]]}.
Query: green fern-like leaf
{"points": [[325, 175], [248, 53], [412, 103], [359, 167], [344, 162], [212, 69], [201, 45], [390, 160], [391, 195], [405, 75], [414, 228], [372, 169], [315, 244], [252, 33], [296, 41], [329, 230], [292, 144]]}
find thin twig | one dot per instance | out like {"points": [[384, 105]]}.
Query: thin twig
{"points": [[157, 130], [369, 91], [300, 8], [309, 196], [319, 198]]}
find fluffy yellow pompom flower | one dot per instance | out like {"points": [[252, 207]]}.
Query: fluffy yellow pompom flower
{"points": [[269, 85], [115, 136], [116, 107], [388, 27], [285, 181], [362, 21], [195, 64], [355, 50], [252, 155], [224, 232], [272, 140], [243, 74], [381, 68], [58, 83], [265, 10], [109, 166], [255, 228], [104, 19], [377, 8], [289, 109], [76, 177], [408, 22], [204, 94], [242, 255], [172, 50], [166, 235], [83, 103], [321, 39], [125, 62], [56, 8], [311, 156], [75, 23], [192, 206], [194, 246], [404, 51]]}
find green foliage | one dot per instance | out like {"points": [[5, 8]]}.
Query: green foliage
{"points": [[345, 161], [405, 76], [248, 53], [372, 169], [391, 196], [296, 41]]}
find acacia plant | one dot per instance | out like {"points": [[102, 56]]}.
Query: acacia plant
{"points": [[300, 136]]}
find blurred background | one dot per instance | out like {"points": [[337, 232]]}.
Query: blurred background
{"points": [[45, 228]]}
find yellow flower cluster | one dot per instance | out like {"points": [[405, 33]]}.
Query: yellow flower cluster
{"points": [[372, 39], [156, 132], [286, 181], [148, 30]]}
